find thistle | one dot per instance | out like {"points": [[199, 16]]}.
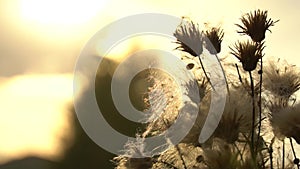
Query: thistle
{"points": [[248, 53], [282, 81], [286, 122], [189, 38], [242, 139], [214, 38], [256, 24]]}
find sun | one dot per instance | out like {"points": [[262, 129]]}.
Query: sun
{"points": [[60, 12]]}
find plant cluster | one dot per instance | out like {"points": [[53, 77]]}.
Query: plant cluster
{"points": [[261, 111]]}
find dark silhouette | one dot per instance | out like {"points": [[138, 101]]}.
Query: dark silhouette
{"points": [[30, 163]]}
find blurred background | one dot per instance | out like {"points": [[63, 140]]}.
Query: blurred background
{"points": [[40, 41]]}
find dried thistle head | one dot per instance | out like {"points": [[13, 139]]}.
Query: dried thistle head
{"points": [[189, 38], [286, 121], [165, 100], [282, 80], [256, 24], [214, 38], [248, 53]]}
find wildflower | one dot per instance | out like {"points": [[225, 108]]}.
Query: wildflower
{"points": [[248, 53], [214, 38], [189, 38], [281, 80], [256, 24], [286, 122]]}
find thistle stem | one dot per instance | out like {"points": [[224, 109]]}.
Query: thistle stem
{"points": [[259, 100], [271, 156], [283, 153], [205, 73], [253, 115], [223, 71], [239, 74], [293, 150], [239, 152]]}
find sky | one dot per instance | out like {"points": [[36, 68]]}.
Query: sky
{"points": [[40, 41]]}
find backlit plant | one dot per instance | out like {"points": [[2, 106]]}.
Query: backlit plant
{"points": [[261, 111]]}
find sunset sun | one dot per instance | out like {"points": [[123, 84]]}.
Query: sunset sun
{"points": [[66, 12]]}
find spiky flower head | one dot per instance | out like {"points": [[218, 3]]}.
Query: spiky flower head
{"points": [[248, 53], [256, 24], [189, 38], [282, 80], [214, 38], [286, 121]]}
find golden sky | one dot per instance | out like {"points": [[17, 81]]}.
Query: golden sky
{"points": [[41, 39]]}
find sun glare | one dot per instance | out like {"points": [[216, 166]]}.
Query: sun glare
{"points": [[62, 12], [33, 115]]}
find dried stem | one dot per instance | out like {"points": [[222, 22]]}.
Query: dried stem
{"points": [[253, 152], [259, 100], [238, 71], [271, 156], [283, 153], [205, 73], [223, 71], [294, 153]]}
